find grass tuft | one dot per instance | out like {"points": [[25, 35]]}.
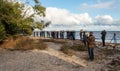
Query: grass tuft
{"points": [[55, 41], [78, 48], [23, 43], [70, 50], [65, 49]]}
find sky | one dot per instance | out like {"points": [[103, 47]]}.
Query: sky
{"points": [[90, 15]]}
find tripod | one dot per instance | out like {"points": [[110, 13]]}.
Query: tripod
{"points": [[114, 40]]}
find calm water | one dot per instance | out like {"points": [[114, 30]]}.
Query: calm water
{"points": [[97, 34], [109, 36]]}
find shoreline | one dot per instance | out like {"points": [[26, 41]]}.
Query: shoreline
{"points": [[98, 43]]}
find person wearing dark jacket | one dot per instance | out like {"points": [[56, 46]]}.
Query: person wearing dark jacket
{"points": [[84, 38], [103, 33], [91, 45], [81, 34]]}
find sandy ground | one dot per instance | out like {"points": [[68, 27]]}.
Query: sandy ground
{"points": [[32, 61], [37, 60], [52, 59]]}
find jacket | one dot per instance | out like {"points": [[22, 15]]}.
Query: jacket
{"points": [[91, 41]]}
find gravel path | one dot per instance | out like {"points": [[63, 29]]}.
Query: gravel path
{"points": [[32, 61]]}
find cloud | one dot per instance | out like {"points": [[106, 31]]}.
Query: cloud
{"points": [[106, 5], [106, 19], [112, 4], [62, 19]]}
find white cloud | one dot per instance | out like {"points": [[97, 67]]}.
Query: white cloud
{"points": [[99, 5], [106, 5], [106, 19], [84, 5], [64, 17]]}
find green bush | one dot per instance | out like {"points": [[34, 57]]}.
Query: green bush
{"points": [[2, 32]]}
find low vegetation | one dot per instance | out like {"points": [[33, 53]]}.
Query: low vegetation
{"points": [[70, 50], [65, 49], [78, 48], [14, 18], [55, 41], [108, 52], [23, 43], [114, 65]]}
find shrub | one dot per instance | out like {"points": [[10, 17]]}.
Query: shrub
{"points": [[8, 43], [65, 49], [78, 48], [27, 43], [38, 44], [55, 41], [2, 32], [69, 50], [23, 43]]}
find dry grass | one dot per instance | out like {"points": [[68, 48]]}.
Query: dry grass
{"points": [[114, 65], [110, 51], [65, 49], [23, 43], [8, 43], [70, 50], [78, 48], [55, 41]]}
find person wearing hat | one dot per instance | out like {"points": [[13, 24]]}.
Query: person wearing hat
{"points": [[91, 45]]}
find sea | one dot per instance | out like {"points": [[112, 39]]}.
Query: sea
{"points": [[109, 36], [97, 34]]}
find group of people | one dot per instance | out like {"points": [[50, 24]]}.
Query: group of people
{"points": [[86, 37], [89, 41], [63, 34]]}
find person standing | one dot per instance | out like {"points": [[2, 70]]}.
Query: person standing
{"points": [[73, 35], [103, 33], [91, 45], [61, 34], [81, 34], [84, 38]]}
